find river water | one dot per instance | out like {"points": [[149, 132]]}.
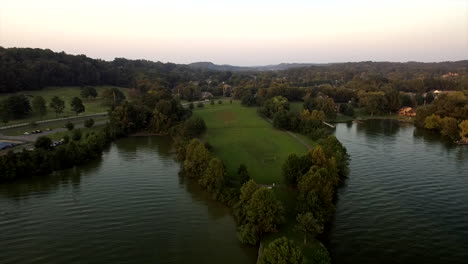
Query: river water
{"points": [[405, 201], [130, 206], [406, 198]]}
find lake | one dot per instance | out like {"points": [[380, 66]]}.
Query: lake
{"points": [[131, 206], [406, 198], [405, 201]]}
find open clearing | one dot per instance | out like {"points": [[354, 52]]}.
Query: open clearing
{"points": [[92, 106], [239, 136]]}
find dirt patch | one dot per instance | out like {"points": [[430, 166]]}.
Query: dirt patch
{"points": [[228, 117]]}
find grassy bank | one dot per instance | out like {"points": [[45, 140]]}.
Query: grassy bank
{"points": [[92, 106], [238, 135]]}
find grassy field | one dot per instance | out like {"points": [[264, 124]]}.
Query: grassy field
{"points": [[238, 135], [92, 106]]}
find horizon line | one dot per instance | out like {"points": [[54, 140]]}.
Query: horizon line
{"points": [[234, 65]]}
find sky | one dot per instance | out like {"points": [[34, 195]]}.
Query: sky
{"points": [[242, 32]]}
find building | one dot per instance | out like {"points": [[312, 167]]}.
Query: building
{"points": [[407, 111], [206, 95]]}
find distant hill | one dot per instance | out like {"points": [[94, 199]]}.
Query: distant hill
{"points": [[226, 67], [215, 67]]}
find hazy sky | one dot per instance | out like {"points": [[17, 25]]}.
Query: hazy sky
{"points": [[241, 32]]}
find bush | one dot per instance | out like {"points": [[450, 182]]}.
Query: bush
{"points": [[212, 102], [33, 124], [200, 105], [193, 127], [89, 123], [43, 142], [282, 250], [191, 106], [76, 135], [220, 102], [69, 126]]}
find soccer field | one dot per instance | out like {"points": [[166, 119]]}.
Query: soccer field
{"points": [[240, 136]]}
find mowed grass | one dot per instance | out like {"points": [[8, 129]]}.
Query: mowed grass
{"points": [[240, 136], [92, 106]]}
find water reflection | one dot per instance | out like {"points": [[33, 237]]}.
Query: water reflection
{"points": [[24, 188], [387, 127], [434, 138], [406, 198], [129, 207]]}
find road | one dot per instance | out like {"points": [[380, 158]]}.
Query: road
{"points": [[56, 120], [33, 137]]}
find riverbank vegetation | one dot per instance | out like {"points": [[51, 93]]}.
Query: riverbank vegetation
{"points": [[157, 111], [448, 115], [231, 130]]}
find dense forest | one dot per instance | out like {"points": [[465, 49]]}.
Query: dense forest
{"points": [[23, 69], [374, 87]]}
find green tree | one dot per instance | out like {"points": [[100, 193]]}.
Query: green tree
{"points": [[281, 251], [69, 126], [57, 104], [39, 105], [406, 100], [76, 135], [432, 122], [88, 123], [464, 130], [392, 97], [196, 159], [307, 224], [248, 234], [77, 105], [4, 113], [264, 210], [449, 127], [294, 167], [43, 142], [213, 177], [193, 127], [373, 102], [17, 106], [421, 114], [87, 92], [243, 174], [112, 97]]}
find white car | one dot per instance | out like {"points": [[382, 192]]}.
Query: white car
{"points": [[26, 133]]}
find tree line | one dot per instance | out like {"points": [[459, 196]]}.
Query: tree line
{"points": [[447, 115], [156, 112], [18, 106]]}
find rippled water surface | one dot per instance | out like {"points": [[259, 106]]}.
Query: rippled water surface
{"points": [[128, 207], [406, 199]]}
